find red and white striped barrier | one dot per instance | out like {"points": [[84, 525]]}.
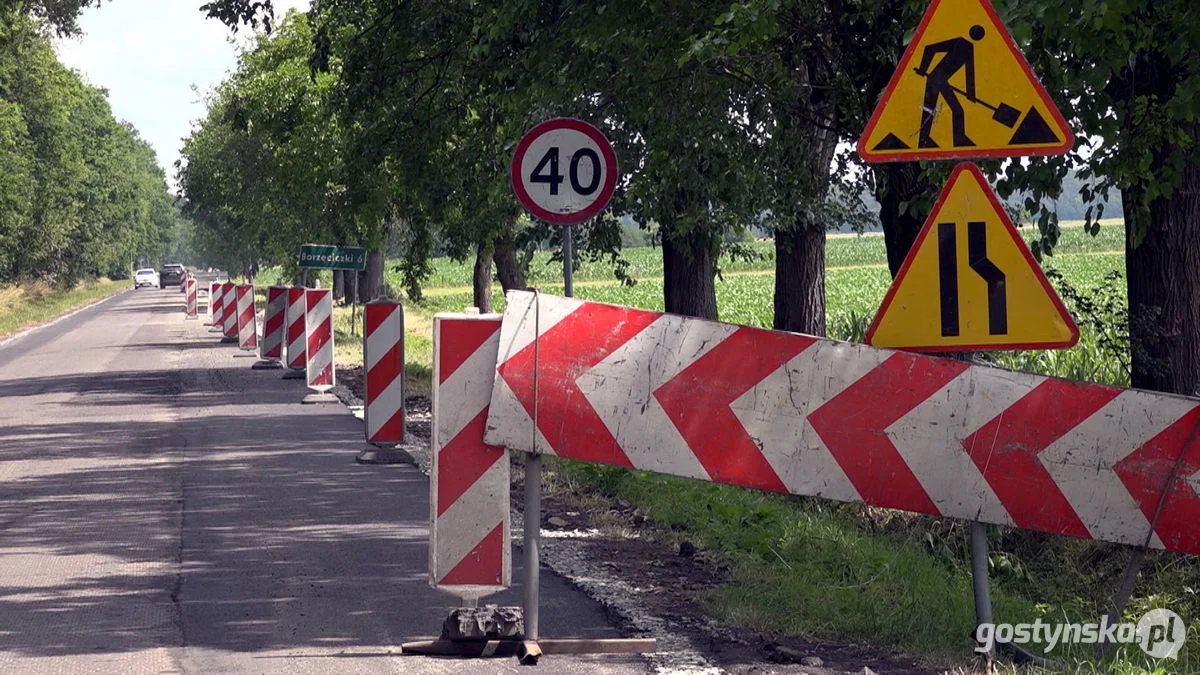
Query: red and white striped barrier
{"points": [[212, 291], [192, 300], [318, 320], [247, 318], [216, 306], [469, 553], [229, 311], [296, 335], [383, 359], [273, 320], [799, 414]]}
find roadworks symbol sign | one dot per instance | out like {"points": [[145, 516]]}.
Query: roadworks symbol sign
{"points": [[969, 282], [963, 90]]}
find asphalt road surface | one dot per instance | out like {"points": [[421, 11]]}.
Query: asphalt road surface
{"points": [[165, 509]]}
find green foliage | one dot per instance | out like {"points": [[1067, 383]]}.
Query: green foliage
{"points": [[80, 193], [34, 303], [58, 15], [262, 173]]}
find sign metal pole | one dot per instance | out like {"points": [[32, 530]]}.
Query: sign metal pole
{"points": [[533, 481], [563, 199], [568, 253]]}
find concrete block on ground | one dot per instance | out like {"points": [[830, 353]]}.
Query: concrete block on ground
{"points": [[490, 622]]}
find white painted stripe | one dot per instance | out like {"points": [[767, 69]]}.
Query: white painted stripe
{"points": [[930, 439], [229, 311], [271, 341], [317, 362], [509, 425], [621, 390], [385, 406], [385, 336], [296, 349], [319, 313], [470, 518], [1082, 461], [774, 413], [520, 319], [276, 308], [467, 390], [246, 318], [319, 322]]}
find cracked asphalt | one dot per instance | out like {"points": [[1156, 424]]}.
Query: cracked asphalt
{"points": [[164, 508]]}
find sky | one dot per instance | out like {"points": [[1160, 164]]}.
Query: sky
{"points": [[157, 59]]}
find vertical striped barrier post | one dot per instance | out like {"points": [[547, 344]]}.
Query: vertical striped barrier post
{"points": [[469, 555], [247, 318], [192, 300], [383, 379], [296, 335], [229, 312], [271, 348], [318, 324], [212, 291], [216, 306]]}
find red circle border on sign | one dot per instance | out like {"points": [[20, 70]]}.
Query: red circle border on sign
{"points": [[610, 180]]}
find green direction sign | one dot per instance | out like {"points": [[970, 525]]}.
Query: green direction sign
{"points": [[333, 257]]}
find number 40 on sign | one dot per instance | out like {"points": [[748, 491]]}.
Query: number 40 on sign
{"points": [[564, 171]]}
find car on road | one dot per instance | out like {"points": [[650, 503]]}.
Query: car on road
{"points": [[145, 277], [171, 275]]}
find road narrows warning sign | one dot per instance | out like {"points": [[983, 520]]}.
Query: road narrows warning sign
{"points": [[970, 283], [963, 90]]}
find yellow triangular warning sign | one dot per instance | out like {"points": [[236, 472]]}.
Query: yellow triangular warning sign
{"points": [[969, 282], [963, 90]]}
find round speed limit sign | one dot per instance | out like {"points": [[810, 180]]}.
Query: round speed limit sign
{"points": [[564, 171]]}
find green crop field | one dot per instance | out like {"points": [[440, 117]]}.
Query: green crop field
{"points": [[841, 251], [856, 281]]}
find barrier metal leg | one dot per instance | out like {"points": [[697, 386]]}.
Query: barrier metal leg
{"points": [[980, 584], [533, 534]]}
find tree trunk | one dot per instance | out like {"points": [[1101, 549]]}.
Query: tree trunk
{"points": [[339, 285], [898, 185], [351, 280], [688, 276], [800, 279], [373, 286], [808, 140], [1164, 287], [508, 270], [482, 278]]}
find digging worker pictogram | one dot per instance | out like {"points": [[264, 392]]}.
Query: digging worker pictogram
{"points": [[959, 55]]}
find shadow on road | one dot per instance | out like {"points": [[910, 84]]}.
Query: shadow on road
{"points": [[283, 545], [264, 536], [202, 506], [128, 387]]}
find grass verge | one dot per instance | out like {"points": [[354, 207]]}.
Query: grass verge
{"points": [[27, 305], [827, 571]]}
